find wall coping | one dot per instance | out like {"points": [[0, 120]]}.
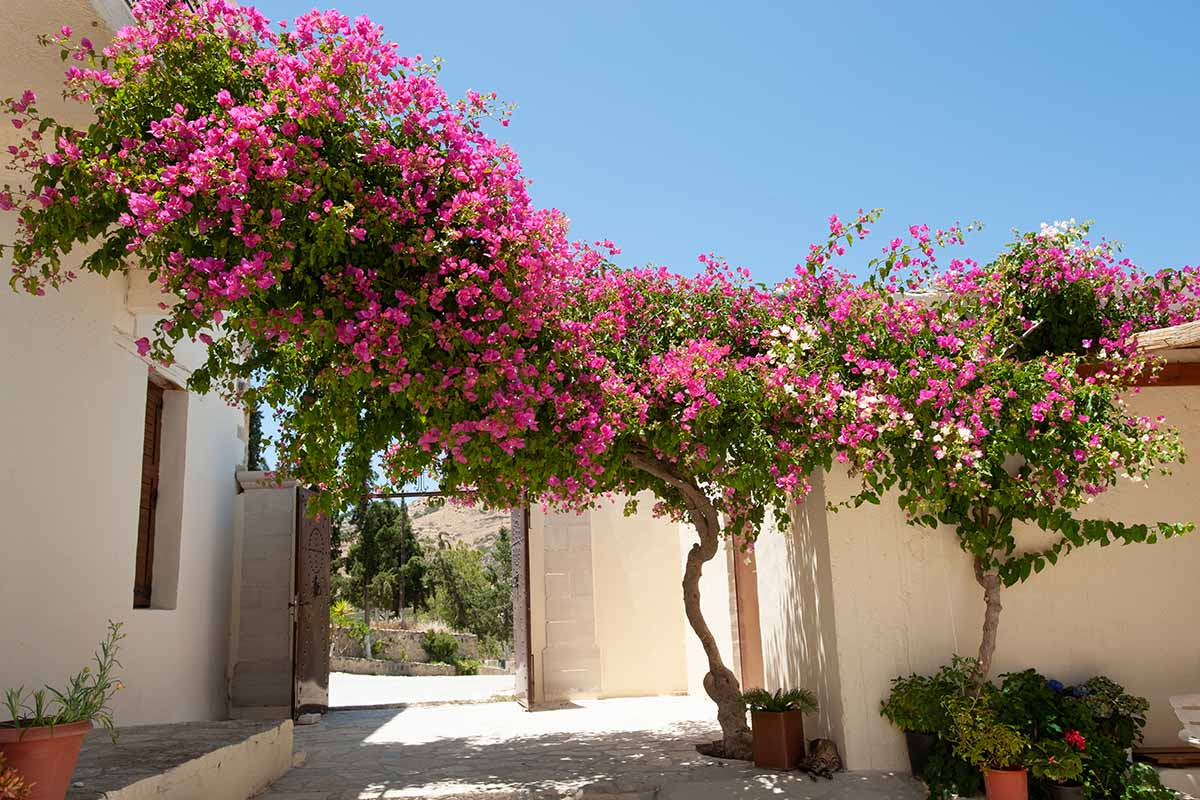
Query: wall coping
{"points": [[249, 479]]}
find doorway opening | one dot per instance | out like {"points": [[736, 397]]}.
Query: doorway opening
{"points": [[428, 602]]}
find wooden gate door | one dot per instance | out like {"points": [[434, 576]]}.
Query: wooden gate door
{"points": [[522, 642], [310, 665]]}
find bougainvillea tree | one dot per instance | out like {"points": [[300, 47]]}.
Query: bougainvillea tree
{"points": [[351, 246], [988, 395], [346, 239], [356, 252], [670, 391]]}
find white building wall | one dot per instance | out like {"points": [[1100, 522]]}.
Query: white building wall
{"points": [[795, 608], [72, 410], [606, 605], [640, 627], [860, 597]]}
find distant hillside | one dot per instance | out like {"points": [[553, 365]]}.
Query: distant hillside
{"points": [[471, 526]]}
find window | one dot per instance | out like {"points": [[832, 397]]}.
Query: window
{"points": [[160, 495], [143, 577]]}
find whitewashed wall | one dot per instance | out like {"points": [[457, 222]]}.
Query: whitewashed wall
{"points": [[72, 409], [640, 627], [607, 605], [859, 597]]}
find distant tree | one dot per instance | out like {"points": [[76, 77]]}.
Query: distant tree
{"points": [[384, 567], [460, 588], [402, 577], [254, 455], [472, 588], [373, 525], [498, 565]]}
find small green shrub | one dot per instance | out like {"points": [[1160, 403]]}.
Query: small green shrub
{"points": [[980, 738], [790, 700], [1118, 714], [442, 648], [947, 776], [467, 666], [1055, 761], [1141, 782], [917, 703], [341, 614], [914, 705], [85, 697]]}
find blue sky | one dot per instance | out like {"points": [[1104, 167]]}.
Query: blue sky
{"points": [[737, 128]]}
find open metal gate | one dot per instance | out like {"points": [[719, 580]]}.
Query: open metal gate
{"points": [[310, 663], [522, 641]]}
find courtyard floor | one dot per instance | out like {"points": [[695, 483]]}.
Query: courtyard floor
{"points": [[639, 749], [356, 691]]}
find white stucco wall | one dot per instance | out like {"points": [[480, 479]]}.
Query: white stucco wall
{"points": [[795, 608], [903, 599], [640, 626], [628, 621], [72, 409]]}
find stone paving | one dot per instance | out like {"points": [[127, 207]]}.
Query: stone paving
{"points": [[638, 749], [350, 691]]}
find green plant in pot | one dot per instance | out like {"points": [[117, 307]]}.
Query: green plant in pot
{"points": [[1058, 764], [777, 723], [993, 746], [45, 729], [917, 706]]}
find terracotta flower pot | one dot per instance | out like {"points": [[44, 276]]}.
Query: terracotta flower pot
{"points": [[1006, 784], [45, 757], [778, 738]]}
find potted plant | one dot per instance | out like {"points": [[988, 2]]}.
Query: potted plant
{"points": [[12, 785], [1059, 763], [917, 706], [1119, 715], [992, 746], [45, 731], [777, 722]]}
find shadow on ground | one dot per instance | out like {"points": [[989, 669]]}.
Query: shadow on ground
{"points": [[638, 749]]}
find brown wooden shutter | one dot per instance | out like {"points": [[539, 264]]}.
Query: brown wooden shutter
{"points": [[148, 501]]}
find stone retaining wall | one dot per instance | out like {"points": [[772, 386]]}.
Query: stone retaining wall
{"points": [[229, 760], [374, 666], [398, 645]]}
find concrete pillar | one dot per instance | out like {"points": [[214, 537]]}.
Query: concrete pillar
{"points": [[260, 647], [570, 656]]}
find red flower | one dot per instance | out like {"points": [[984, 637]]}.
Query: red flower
{"points": [[1076, 740]]}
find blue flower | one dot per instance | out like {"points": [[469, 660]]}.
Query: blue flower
{"points": [[1079, 691], [1055, 685]]}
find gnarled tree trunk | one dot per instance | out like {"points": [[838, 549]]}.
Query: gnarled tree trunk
{"points": [[991, 616], [720, 683]]}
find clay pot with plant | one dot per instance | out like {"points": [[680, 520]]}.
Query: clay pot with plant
{"points": [[777, 725], [41, 739], [1058, 764], [999, 750]]}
